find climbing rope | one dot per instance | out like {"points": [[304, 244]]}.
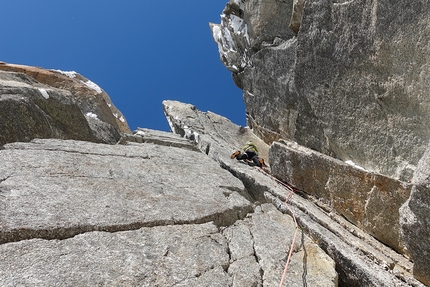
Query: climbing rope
{"points": [[290, 253]]}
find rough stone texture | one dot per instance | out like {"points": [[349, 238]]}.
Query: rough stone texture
{"points": [[80, 187], [415, 222], [368, 200], [272, 230], [215, 135], [266, 20], [142, 214], [156, 212], [274, 119], [363, 68], [352, 84], [361, 260], [185, 255], [142, 135], [39, 103]]}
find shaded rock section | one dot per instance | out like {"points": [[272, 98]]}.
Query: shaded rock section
{"points": [[39, 103], [246, 26]]}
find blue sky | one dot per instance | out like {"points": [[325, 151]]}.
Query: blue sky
{"points": [[140, 52]]}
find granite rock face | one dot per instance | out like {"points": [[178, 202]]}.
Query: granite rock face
{"points": [[352, 84], [111, 186], [361, 260], [173, 209], [39, 103], [153, 211]]}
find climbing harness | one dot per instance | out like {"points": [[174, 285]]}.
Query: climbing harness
{"points": [[292, 190]]}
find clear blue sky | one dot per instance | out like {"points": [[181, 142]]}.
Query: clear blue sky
{"points": [[140, 52]]}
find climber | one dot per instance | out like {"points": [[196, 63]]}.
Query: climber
{"points": [[249, 153]]}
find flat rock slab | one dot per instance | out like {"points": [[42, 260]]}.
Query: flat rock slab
{"points": [[186, 255], [55, 189]]}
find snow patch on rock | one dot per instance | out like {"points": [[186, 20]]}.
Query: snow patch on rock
{"points": [[350, 162], [44, 93], [92, 115], [232, 38], [93, 86], [70, 74]]}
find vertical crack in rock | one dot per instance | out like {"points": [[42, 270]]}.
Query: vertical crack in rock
{"points": [[305, 259], [244, 268], [257, 259]]}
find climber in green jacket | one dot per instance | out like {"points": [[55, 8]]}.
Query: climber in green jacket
{"points": [[249, 153]]}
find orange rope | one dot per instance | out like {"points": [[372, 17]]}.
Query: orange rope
{"points": [[295, 222]]}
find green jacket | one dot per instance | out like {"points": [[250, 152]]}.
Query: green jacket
{"points": [[250, 146]]}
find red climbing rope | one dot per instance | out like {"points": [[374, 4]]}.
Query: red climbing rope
{"points": [[290, 253]]}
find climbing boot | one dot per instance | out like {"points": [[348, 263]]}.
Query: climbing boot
{"points": [[235, 154], [261, 163]]}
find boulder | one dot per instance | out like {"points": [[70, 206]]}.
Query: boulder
{"points": [[39, 103]]}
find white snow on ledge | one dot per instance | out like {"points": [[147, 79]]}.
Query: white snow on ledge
{"points": [[93, 86], [92, 115], [70, 74], [350, 162]]}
